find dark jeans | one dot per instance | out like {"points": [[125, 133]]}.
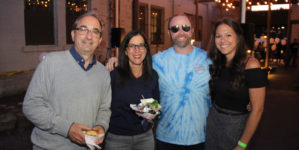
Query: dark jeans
{"points": [[167, 146]]}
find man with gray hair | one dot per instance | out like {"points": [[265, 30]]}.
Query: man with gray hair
{"points": [[70, 92]]}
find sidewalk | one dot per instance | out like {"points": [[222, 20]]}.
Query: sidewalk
{"points": [[278, 129], [15, 129]]}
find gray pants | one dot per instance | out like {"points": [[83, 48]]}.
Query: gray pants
{"points": [[224, 130], [144, 141]]}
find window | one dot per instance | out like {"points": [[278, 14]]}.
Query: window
{"points": [[142, 19], [39, 22], [74, 9], [156, 25]]}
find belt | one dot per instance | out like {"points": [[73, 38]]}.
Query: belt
{"points": [[228, 112]]}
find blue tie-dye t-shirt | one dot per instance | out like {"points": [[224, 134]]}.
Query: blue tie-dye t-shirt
{"points": [[184, 96]]}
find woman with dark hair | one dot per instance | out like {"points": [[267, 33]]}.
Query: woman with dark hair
{"points": [[236, 80], [132, 80]]}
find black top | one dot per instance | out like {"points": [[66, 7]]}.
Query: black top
{"points": [[124, 120], [238, 100]]}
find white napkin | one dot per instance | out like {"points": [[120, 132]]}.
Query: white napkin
{"points": [[145, 112], [91, 141]]}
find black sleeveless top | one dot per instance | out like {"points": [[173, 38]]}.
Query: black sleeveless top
{"points": [[238, 100]]}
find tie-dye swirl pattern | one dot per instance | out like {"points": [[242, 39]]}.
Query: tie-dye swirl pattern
{"points": [[184, 96]]}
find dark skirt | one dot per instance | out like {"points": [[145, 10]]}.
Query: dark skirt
{"points": [[224, 128]]}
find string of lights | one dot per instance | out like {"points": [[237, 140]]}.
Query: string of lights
{"points": [[32, 3], [77, 5], [233, 4], [73, 5]]}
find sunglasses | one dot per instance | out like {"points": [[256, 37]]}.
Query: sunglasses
{"points": [[176, 28]]}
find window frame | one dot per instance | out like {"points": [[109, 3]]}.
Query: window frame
{"points": [[40, 25], [159, 27], [60, 33], [145, 24]]}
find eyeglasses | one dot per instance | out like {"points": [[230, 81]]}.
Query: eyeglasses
{"points": [[94, 32], [176, 28], [140, 46]]}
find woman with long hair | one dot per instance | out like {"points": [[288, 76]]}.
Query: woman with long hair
{"points": [[236, 80], [132, 80]]}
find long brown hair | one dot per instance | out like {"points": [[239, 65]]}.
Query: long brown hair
{"points": [[237, 65]]}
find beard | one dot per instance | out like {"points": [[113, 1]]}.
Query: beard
{"points": [[181, 44]]}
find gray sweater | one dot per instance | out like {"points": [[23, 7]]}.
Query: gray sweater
{"points": [[61, 93]]}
